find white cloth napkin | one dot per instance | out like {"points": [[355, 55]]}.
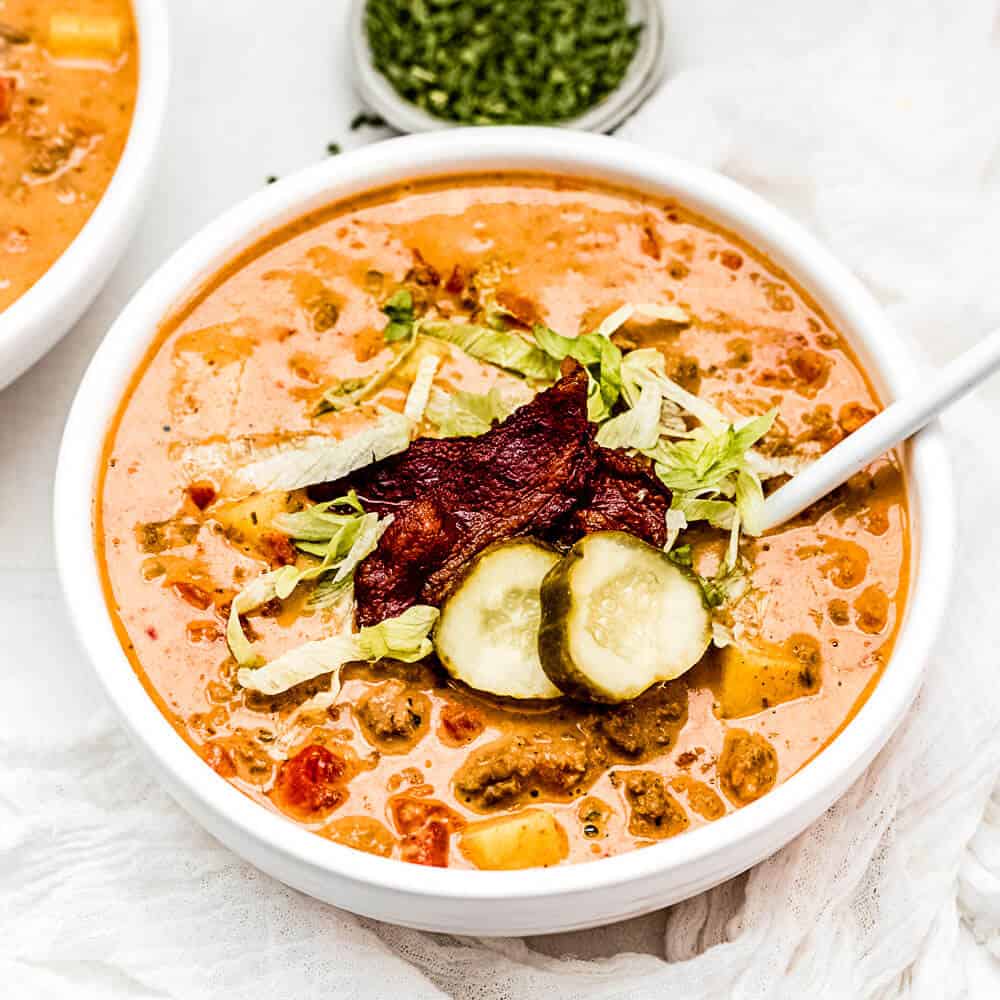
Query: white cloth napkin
{"points": [[878, 128]]}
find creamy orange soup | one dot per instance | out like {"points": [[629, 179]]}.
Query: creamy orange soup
{"points": [[67, 91], [408, 763]]}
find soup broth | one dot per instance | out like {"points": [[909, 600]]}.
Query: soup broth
{"points": [[407, 762]]}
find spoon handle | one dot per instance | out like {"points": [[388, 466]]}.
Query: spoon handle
{"points": [[894, 424]]}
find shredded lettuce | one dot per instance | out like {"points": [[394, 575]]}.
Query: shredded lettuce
{"points": [[335, 597], [473, 413], [648, 365], [653, 310], [710, 469], [406, 638], [321, 521], [311, 659], [718, 513], [321, 460], [708, 461], [339, 539], [216, 459], [637, 427], [769, 467], [256, 593], [676, 523], [602, 360], [750, 500], [711, 479], [350, 392], [420, 391], [502, 348]]}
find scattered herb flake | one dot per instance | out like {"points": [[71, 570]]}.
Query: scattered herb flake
{"points": [[399, 309], [364, 119]]}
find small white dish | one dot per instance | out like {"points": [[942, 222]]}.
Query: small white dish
{"points": [[642, 77], [33, 324], [533, 901]]}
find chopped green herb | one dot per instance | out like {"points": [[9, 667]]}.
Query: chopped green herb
{"points": [[364, 118], [333, 148], [485, 62], [681, 556], [399, 309], [270, 179]]}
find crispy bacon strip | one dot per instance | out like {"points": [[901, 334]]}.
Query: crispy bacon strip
{"points": [[452, 497], [625, 495], [539, 473]]}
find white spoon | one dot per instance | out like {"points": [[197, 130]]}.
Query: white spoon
{"points": [[894, 424]]}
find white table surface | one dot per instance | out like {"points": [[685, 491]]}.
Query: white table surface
{"points": [[255, 92]]}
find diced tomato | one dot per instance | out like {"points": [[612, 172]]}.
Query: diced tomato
{"points": [[311, 781], [427, 846], [193, 594], [455, 284], [201, 493], [461, 723], [412, 811], [7, 87], [219, 759], [426, 826], [277, 548]]}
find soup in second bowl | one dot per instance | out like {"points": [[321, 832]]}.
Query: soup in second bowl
{"points": [[68, 77], [430, 524]]}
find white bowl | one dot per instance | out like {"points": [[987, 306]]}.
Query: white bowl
{"points": [[540, 900], [639, 81], [34, 323]]}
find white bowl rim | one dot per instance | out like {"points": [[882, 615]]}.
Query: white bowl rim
{"points": [[470, 151], [635, 86], [71, 273]]}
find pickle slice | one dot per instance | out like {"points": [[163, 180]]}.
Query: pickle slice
{"points": [[618, 616], [487, 635]]}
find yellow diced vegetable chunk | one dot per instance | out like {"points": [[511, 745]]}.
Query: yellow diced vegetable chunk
{"points": [[86, 36], [246, 521], [755, 678], [528, 839]]}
